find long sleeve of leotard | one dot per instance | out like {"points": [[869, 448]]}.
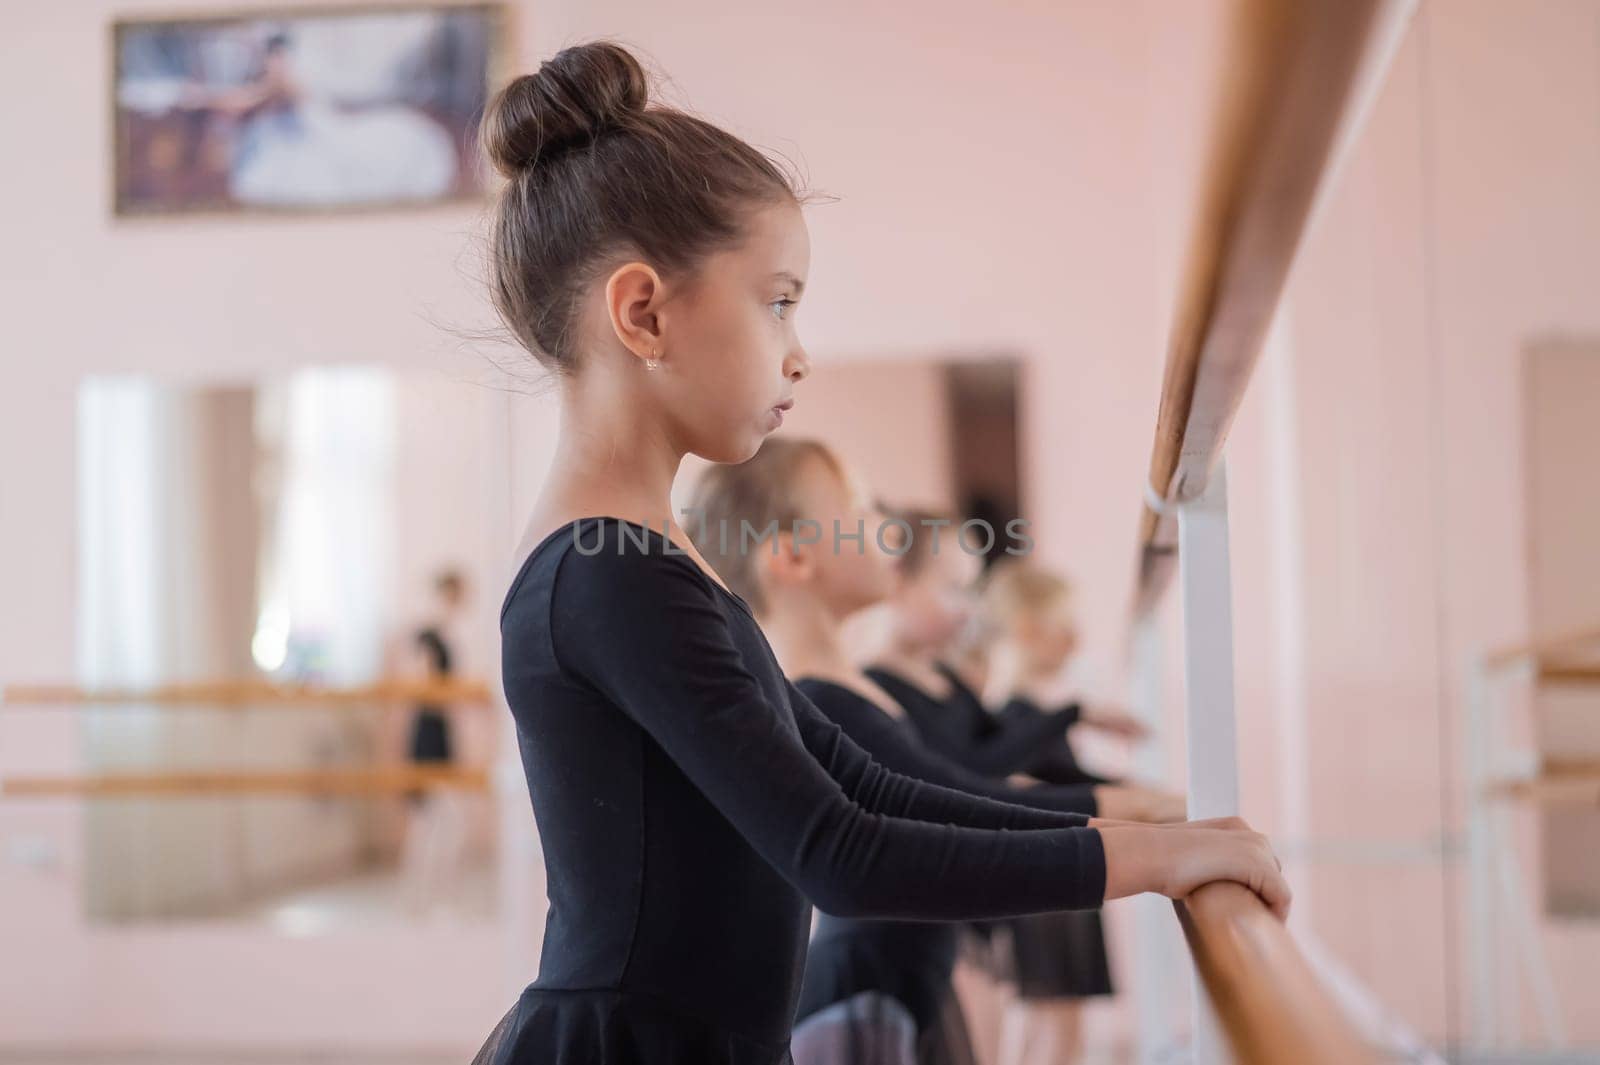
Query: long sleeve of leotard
{"points": [[1016, 710], [1056, 764], [892, 746], [1010, 745], [894, 785], [959, 727], [645, 630]]}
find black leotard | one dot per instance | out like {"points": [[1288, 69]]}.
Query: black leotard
{"points": [[690, 800], [896, 745], [1053, 955], [1056, 764], [909, 961], [959, 727], [430, 729]]}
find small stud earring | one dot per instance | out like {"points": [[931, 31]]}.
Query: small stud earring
{"points": [[651, 363]]}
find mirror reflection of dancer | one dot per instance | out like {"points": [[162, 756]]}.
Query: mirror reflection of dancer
{"points": [[436, 823], [295, 147]]}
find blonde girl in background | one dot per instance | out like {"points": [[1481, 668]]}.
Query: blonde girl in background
{"points": [[933, 609], [1054, 961]]}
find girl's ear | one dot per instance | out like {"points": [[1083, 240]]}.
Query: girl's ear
{"points": [[787, 565], [634, 297]]}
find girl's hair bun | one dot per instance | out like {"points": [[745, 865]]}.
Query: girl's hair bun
{"points": [[597, 167], [569, 101]]}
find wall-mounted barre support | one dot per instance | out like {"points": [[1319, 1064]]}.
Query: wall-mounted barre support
{"points": [[1213, 757]]}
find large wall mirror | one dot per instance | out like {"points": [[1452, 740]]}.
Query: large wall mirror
{"points": [[320, 532]]}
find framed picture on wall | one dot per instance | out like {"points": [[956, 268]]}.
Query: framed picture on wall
{"points": [[313, 109]]}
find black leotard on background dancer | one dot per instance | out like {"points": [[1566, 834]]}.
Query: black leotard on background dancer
{"points": [[1057, 955], [430, 727], [1047, 956], [962, 729], [1056, 764], [689, 801], [909, 961]]}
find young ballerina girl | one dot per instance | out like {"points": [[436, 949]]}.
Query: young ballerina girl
{"points": [[861, 975], [692, 804]]}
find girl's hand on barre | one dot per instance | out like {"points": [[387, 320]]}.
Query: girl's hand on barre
{"points": [[1175, 860], [1232, 823], [1115, 720], [1124, 802]]}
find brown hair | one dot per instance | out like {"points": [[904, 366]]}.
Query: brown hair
{"points": [[450, 581], [1014, 589], [597, 171], [758, 491]]}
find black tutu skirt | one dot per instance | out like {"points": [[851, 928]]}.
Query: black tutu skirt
{"points": [[430, 743], [1054, 955], [430, 736], [864, 986], [603, 1027]]}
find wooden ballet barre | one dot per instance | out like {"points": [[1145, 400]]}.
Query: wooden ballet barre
{"points": [[1271, 1004], [1568, 673], [1301, 74], [380, 780], [250, 692], [1571, 767], [1544, 647], [1552, 790]]}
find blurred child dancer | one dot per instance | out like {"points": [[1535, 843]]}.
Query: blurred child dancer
{"points": [[1055, 960], [436, 825], [691, 803], [932, 610]]}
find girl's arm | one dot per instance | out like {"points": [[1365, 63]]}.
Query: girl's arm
{"points": [[1055, 763], [677, 671], [1012, 745], [994, 746], [893, 747], [898, 790], [1134, 802]]}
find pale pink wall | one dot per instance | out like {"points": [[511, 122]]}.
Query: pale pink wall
{"points": [[887, 417], [1012, 179]]}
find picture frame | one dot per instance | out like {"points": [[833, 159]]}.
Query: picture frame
{"points": [[303, 109]]}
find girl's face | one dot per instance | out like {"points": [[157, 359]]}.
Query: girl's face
{"points": [[850, 574], [933, 607], [1048, 638], [730, 357]]}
